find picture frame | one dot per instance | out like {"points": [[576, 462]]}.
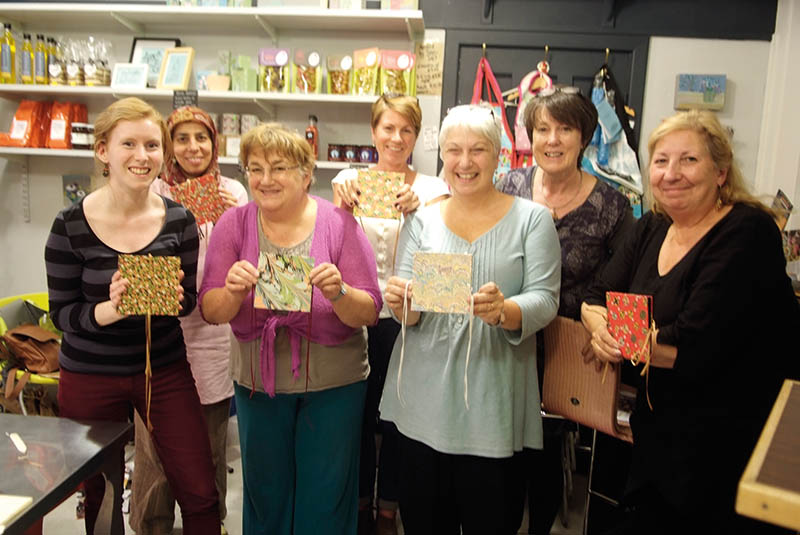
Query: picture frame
{"points": [[129, 76], [176, 68], [700, 91], [150, 51]]}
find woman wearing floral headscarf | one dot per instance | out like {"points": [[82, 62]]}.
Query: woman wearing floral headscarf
{"points": [[194, 157]]}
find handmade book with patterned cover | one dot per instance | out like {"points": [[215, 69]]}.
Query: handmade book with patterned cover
{"points": [[629, 317], [378, 193], [283, 282], [442, 282], [201, 197], [153, 285]]}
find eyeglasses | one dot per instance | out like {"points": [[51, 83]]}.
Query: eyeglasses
{"points": [[568, 90], [279, 171]]}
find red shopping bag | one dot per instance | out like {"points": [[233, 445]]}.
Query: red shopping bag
{"points": [[494, 98]]}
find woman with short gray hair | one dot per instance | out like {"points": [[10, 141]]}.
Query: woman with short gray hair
{"points": [[462, 415]]}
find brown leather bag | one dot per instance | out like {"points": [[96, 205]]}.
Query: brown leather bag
{"points": [[573, 385], [28, 347]]}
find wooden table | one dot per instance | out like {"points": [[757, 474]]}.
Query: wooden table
{"points": [[770, 486], [62, 453]]}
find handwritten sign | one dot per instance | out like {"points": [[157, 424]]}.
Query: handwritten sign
{"points": [[184, 98], [430, 65]]}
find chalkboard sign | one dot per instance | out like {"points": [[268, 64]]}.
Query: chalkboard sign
{"points": [[184, 98]]}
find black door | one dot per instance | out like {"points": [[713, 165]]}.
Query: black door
{"points": [[574, 60]]}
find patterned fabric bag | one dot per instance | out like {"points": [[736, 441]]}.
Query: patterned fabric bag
{"points": [[495, 99]]}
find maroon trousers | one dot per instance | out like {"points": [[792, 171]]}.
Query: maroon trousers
{"points": [[179, 435]]}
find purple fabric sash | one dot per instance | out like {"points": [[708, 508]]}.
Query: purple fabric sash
{"points": [[296, 324]]}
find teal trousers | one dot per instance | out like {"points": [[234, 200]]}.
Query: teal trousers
{"points": [[300, 458]]}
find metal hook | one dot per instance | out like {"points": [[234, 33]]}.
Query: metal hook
{"points": [[546, 51], [606, 61], [483, 46]]}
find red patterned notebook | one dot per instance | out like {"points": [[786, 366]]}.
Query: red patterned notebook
{"points": [[629, 318], [201, 197]]}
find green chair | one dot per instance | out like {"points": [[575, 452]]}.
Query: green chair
{"points": [[13, 311]]}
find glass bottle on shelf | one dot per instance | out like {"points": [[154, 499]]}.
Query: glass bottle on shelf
{"points": [[40, 60], [26, 61], [312, 134], [8, 57]]}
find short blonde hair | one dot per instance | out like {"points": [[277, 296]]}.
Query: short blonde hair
{"points": [[478, 119], [718, 143], [274, 138], [406, 106], [128, 109]]}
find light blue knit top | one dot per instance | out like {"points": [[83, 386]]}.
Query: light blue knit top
{"points": [[521, 255]]}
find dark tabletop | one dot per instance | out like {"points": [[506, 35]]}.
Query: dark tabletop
{"points": [[61, 454]]}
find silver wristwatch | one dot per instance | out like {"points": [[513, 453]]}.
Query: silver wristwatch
{"points": [[342, 293]]}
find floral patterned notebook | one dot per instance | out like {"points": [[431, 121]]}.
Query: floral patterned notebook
{"points": [[283, 282], [629, 317], [153, 285], [201, 197], [442, 282], [378, 193]]}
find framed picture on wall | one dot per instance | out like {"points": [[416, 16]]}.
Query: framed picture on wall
{"points": [[150, 51], [129, 76], [700, 91], [176, 68]]}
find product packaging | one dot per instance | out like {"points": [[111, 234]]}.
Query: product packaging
{"points": [[346, 4], [231, 124], [248, 122], [60, 131], [56, 66], [398, 72], [306, 71], [273, 70], [27, 124], [340, 74], [366, 63], [399, 4]]}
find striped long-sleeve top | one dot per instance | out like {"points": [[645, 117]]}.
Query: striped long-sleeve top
{"points": [[79, 269]]}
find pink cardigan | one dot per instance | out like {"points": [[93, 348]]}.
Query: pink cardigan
{"points": [[337, 239]]}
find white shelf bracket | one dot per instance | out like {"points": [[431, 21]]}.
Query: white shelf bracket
{"points": [[269, 109], [412, 35], [132, 26], [269, 28]]}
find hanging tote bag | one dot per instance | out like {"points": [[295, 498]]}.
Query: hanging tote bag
{"points": [[529, 87], [495, 99]]}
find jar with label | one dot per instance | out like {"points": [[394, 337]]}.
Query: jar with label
{"points": [[82, 136], [350, 153], [365, 154], [334, 153]]}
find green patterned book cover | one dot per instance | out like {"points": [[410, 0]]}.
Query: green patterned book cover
{"points": [[153, 283], [283, 282]]}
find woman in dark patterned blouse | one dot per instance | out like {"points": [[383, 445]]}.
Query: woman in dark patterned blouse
{"points": [[591, 218]]}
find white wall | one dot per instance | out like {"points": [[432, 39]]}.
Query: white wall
{"points": [[745, 65], [22, 242], [779, 151]]}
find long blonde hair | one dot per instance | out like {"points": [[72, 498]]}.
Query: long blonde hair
{"points": [[718, 143]]}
